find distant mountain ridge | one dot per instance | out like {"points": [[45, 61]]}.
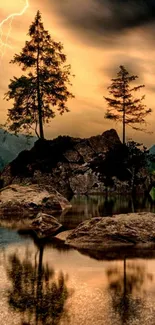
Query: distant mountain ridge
{"points": [[11, 145], [152, 150]]}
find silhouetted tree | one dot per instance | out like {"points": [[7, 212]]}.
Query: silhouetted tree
{"points": [[123, 107], [44, 87], [138, 159], [114, 163], [128, 162]]}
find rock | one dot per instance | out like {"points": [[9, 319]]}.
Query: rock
{"points": [[69, 165], [61, 162], [85, 151], [72, 156], [131, 229], [78, 169], [100, 144], [83, 183], [26, 201], [120, 186], [46, 225], [63, 235]]}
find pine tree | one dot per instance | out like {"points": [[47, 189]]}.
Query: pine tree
{"points": [[45, 85], [123, 106]]}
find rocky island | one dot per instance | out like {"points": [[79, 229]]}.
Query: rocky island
{"points": [[35, 187], [66, 163]]}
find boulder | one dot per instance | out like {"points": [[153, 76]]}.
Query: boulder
{"points": [[46, 225], [26, 201], [100, 233]]}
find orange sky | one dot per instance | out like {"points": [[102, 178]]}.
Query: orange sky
{"points": [[96, 43]]}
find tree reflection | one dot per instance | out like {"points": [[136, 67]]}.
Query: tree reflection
{"points": [[126, 288], [35, 292]]}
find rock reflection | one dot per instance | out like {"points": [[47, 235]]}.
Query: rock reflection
{"points": [[85, 207], [126, 288], [36, 292]]}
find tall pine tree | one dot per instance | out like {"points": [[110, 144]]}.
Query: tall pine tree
{"points": [[123, 106], [45, 85]]}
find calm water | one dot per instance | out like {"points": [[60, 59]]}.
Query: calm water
{"points": [[47, 283], [86, 207]]}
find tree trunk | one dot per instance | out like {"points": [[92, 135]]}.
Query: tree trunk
{"points": [[41, 131], [123, 104], [133, 180], [124, 125]]}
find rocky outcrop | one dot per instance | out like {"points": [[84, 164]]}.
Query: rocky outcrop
{"points": [[132, 229], [63, 162], [77, 166]]}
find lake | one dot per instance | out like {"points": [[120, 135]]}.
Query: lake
{"points": [[49, 283]]}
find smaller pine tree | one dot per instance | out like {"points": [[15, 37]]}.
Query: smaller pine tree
{"points": [[123, 106]]}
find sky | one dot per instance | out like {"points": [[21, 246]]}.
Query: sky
{"points": [[98, 36]]}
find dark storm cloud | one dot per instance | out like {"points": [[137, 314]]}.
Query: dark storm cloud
{"points": [[125, 14], [105, 16]]}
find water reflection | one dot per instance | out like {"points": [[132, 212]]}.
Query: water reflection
{"points": [[127, 288], [36, 293], [84, 207], [119, 292]]}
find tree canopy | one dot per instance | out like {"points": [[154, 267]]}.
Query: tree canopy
{"points": [[122, 105], [44, 87], [126, 162]]}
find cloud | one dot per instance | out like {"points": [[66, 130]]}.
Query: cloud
{"points": [[134, 65], [98, 19]]}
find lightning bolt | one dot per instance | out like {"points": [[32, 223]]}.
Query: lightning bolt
{"points": [[9, 19]]}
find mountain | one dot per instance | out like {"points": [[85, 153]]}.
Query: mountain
{"points": [[11, 145]]}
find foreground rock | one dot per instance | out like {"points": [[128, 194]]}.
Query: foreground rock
{"points": [[27, 201], [133, 229], [20, 205]]}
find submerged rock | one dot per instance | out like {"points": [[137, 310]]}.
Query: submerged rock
{"points": [[121, 230]]}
